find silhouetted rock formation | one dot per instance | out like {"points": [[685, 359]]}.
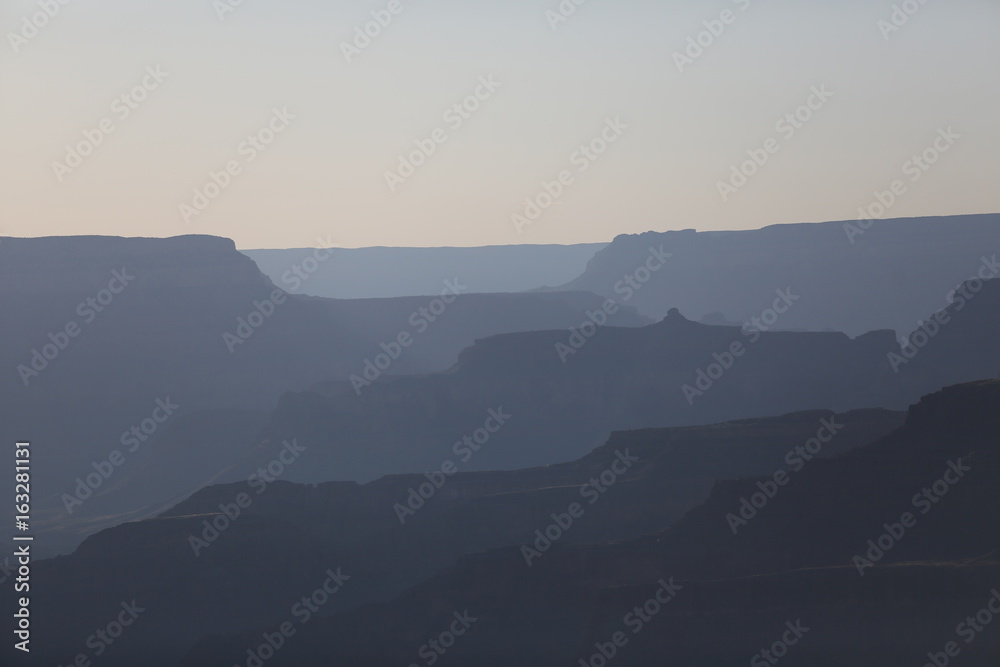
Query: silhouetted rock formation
{"points": [[289, 534], [888, 277], [795, 562]]}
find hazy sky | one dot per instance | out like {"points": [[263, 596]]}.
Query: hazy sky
{"points": [[677, 134]]}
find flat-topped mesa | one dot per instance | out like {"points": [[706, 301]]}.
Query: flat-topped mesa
{"points": [[890, 276], [83, 264]]}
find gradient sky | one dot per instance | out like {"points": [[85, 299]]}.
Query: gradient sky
{"points": [[323, 177]]}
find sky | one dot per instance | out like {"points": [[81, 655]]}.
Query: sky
{"points": [[276, 125]]}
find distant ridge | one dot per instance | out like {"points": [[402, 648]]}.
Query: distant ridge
{"points": [[851, 279]]}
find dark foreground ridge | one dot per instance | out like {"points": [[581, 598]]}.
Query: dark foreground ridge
{"points": [[794, 580], [221, 562]]}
